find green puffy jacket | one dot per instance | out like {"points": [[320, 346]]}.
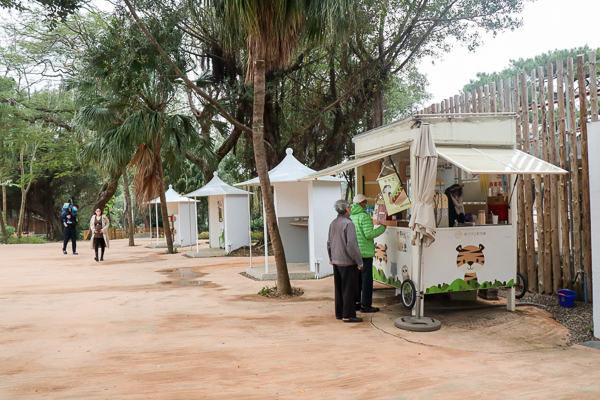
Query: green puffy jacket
{"points": [[364, 230]]}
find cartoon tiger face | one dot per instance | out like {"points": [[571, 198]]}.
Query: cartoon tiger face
{"points": [[469, 260], [380, 259]]}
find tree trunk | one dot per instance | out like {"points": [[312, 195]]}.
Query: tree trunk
{"points": [[163, 201], [283, 278], [107, 191], [131, 230], [4, 199], [3, 227], [21, 212]]}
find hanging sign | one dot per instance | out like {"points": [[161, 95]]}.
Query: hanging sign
{"points": [[394, 194]]}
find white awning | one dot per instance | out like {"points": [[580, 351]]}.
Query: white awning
{"points": [[346, 165], [495, 160]]}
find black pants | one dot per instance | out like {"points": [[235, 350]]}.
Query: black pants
{"points": [[364, 296], [70, 233], [345, 280], [99, 242]]}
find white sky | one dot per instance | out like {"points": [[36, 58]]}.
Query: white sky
{"points": [[547, 25]]}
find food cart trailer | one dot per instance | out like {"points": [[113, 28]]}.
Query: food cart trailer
{"points": [[474, 150]]}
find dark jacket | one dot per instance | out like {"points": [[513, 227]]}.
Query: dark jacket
{"points": [[364, 230], [69, 222], [342, 244]]}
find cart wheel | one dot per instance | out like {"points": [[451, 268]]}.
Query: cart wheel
{"points": [[520, 285], [408, 293]]}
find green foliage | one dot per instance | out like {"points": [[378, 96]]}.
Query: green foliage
{"points": [[516, 66], [266, 290], [257, 224], [26, 240], [10, 230]]}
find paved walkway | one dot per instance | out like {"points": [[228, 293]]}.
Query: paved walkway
{"points": [[144, 325]]}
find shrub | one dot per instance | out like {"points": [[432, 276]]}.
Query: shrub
{"points": [[26, 240], [257, 224], [10, 230]]}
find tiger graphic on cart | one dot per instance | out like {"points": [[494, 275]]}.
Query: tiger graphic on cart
{"points": [[469, 260]]}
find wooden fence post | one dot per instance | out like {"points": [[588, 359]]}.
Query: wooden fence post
{"points": [[557, 279], [554, 239], [593, 86], [545, 155], [486, 99], [500, 96], [575, 201], [493, 107], [479, 99], [585, 174], [522, 243], [539, 195]]}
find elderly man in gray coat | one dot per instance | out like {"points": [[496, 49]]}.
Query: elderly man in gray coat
{"points": [[344, 255]]}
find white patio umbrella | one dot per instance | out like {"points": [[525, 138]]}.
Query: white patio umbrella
{"points": [[422, 218]]}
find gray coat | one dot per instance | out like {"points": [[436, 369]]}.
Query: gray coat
{"points": [[342, 244]]}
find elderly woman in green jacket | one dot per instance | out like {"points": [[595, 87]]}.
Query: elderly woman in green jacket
{"points": [[366, 235]]}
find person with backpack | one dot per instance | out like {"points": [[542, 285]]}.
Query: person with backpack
{"points": [[69, 220]]}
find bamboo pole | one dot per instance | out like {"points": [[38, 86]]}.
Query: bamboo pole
{"points": [[554, 218], [575, 201], [493, 107], [521, 240], [539, 196], [527, 185], [547, 254], [593, 86], [486, 99], [501, 96], [585, 173], [557, 281]]}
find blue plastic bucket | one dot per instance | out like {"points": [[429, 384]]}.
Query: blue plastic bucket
{"points": [[566, 297]]}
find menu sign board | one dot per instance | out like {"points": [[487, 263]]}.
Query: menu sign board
{"points": [[394, 194]]}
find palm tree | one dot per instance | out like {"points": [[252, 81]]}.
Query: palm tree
{"points": [[142, 137], [273, 30]]}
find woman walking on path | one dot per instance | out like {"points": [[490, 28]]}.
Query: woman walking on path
{"points": [[99, 227]]}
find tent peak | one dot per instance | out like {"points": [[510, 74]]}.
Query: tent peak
{"points": [[289, 151]]}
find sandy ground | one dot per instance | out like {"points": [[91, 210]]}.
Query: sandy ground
{"points": [[144, 325]]}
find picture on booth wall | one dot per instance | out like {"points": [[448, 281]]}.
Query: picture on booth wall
{"points": [[469, 260], [403, 240]]}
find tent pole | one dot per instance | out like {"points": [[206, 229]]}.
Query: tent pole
{"points": [[418, 291], [156, 216], [249, 225], [196, 235], [150, 222], [266, 237], [190, 218]]}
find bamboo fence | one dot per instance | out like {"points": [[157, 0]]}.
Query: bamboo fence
{"points": [[552, 110]]}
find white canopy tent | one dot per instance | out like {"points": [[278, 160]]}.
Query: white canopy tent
{"points": [[183, 219], [304, 211], [228, 214]]}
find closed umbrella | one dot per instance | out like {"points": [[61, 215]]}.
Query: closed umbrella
{"points": [[422, 218]]}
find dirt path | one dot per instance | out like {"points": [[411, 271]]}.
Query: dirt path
{"points": [[144, 325]]}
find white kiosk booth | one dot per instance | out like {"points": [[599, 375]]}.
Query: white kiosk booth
{"points": [[477, 153], [304, 211], [182, 218], [228, 214]]}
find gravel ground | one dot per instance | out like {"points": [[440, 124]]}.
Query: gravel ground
{"points": [[578, 319]]}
